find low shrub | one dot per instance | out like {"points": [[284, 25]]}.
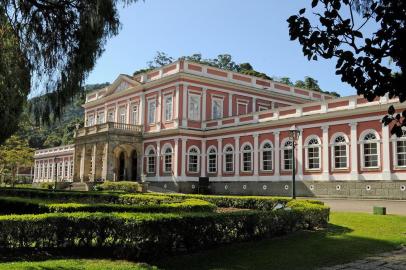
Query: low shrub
{"points": [[14, 205], [144, 235], [127, 186], [189, 205]]}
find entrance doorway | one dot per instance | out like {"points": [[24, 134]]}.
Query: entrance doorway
{"points": [[121, 167], [134, 166]]}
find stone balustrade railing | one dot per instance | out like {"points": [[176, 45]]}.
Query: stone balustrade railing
{"points": [[108, 126]]}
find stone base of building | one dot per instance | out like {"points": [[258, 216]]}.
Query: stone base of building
{"points": [[394, 190]]}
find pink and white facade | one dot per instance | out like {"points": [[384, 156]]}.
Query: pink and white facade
{"points": [[186, 120]]}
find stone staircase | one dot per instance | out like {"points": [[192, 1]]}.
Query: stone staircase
{"points": [[78, 186]]}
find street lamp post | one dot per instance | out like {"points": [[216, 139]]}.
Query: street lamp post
{"points": [[293, 135]]}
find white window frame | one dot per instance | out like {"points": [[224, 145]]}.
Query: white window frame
{"points": [[362, 143], [232, 153], [282, 156], [151, 114], [168, 114], [333, 144], [208, 159], [395, 141], [164, 155], [100, 117], [149, 155], [262, 155], [134, 114], [110, 115], [191, 115], [90, 120], [122, 115], [193, 147], [307, 146], [221, 102], [243, 103], [242, 152]]}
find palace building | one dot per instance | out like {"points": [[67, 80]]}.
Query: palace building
{"points": [[172, 125]]}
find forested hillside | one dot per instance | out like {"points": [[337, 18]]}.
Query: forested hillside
{"points": [[58, 131]]}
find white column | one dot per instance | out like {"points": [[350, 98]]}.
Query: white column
{"points": [[184, 102], [354, 151], [116, 111], [63, 168], [176, 107], [203, 170], [141, 109], [256, 153], [53, 169], [105, 115], [204, 92], [219, 158], [176, 154], [277, 160], [300, 155], [158, 160], [254, 104], [325, 157], [386, 174], [183, 158], [230, 105], [159, 111], [128, 121], [237, 156]]}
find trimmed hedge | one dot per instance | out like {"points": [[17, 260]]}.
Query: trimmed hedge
{"points": [[127, 186], [147, 235], [14, 205], [264, 203]]}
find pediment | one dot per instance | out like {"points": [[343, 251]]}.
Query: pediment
{"points": [[123, 82]]}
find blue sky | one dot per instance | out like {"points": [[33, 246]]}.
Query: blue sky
{"points": [[252, 31]]}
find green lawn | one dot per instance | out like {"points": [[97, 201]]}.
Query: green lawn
{"points": [[75, 265], [350, 236]]}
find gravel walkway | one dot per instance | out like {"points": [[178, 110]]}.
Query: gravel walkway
{"points": [[395, 260]]}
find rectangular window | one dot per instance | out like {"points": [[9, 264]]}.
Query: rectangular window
{"points": [[123, 115], [110, 116], [100, 118], [212, 163], [151, 164], [90, 120], [134, 115], [229, 162], [262, 108], [242, 108], [401, 153], [151, 111], [168, 163], [246, 162], [194, 107], [370, 155], [193, 166], [287, 158], [217, 108], [313, 157], [168, 107], [340, 156], [267, 160]]}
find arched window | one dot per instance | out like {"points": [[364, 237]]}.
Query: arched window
{"points": [[212, 160], [151, 160], [399, 147], [167, 153], [312, 149], [193, 159], [339, 151], [122, 115], [246, 158], [370, 149], [287, 154], [228, 159], [266, 156]]}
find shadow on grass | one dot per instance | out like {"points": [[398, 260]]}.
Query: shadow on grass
{"points": [[301, 250]]}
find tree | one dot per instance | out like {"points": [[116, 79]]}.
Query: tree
{"points": [[15, 153], [361, 57], [286, 80], [56, 42], [14, 79]]}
